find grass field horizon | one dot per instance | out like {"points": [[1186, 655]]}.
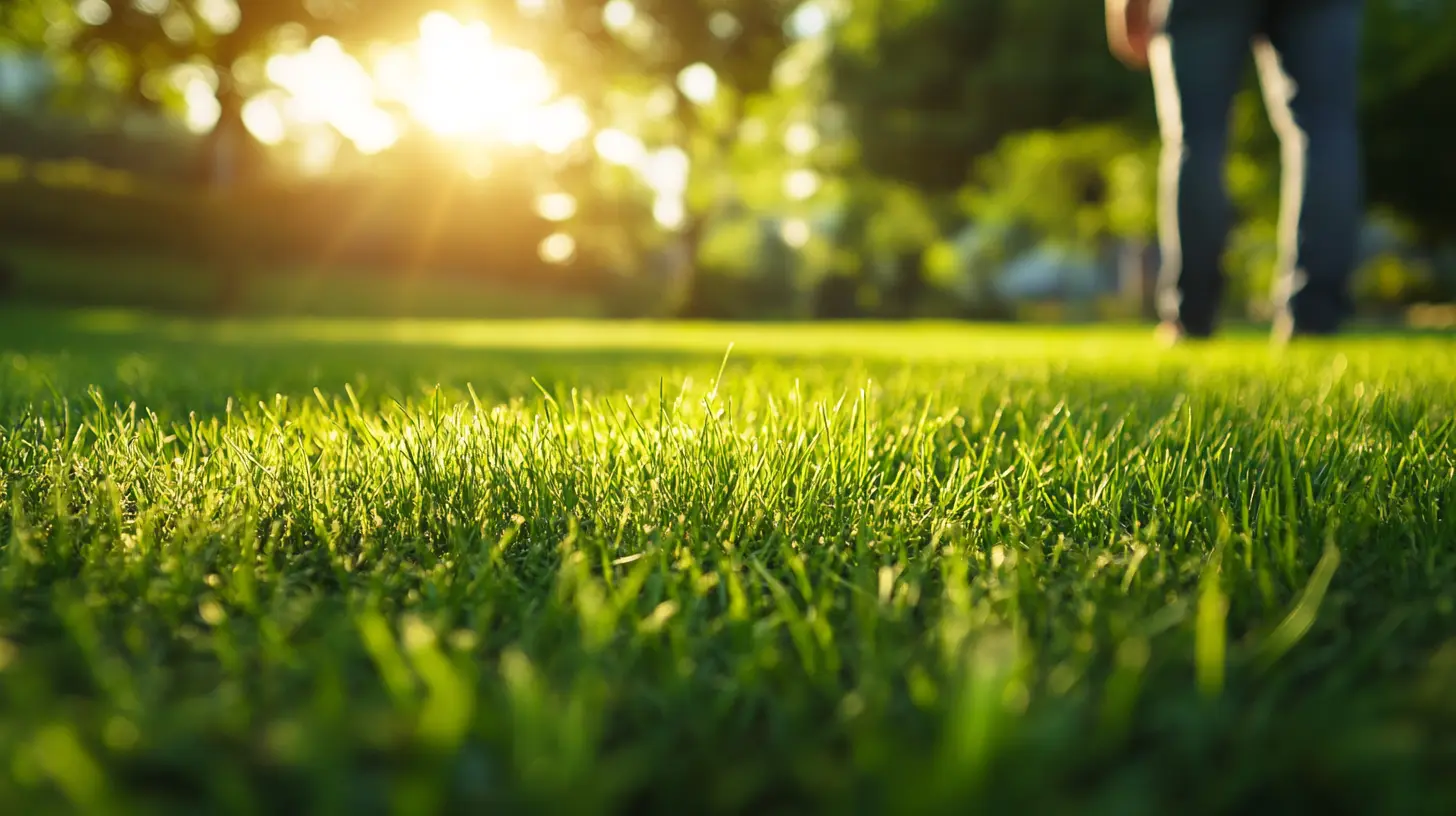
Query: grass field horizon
{"points": [[362, 566]]}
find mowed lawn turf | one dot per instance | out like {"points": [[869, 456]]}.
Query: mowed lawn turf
{"points": [[382, 567]]}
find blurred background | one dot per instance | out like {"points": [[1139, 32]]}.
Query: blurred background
{"points": [[718, 159]]}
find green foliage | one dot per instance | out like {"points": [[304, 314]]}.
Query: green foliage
{"points": [[902, 221], [305, 566], [931, 86], [1076, 187], [1390, 280], [24, 23], [1410, 65], [922, 113]]}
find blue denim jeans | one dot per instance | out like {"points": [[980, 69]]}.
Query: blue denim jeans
{"points": [[1307, 52]]}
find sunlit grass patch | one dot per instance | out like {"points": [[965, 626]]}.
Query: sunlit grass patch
{"points": [[390, 566]]}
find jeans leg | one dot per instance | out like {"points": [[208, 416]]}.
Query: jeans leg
{"points": [[1309, 69], [1197, 65]]}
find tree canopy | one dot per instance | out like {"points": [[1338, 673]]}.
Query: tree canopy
{"points": [[848, 146]]}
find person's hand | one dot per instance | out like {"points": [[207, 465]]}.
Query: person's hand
{"points": [[1130, 31]]}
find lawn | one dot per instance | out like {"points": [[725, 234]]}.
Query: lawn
{"points": [[386, 567]]}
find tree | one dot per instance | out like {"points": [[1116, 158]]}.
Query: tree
{"points": [[157, 35], [650, 48], [1410, 67], [1089, 191], [931, 85]]}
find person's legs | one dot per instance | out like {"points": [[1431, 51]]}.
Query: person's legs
{"points": [[1197, 63], [1309, 69]]}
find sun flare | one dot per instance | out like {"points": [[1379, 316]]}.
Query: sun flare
{"points": [[454, 80], [467, 85]]}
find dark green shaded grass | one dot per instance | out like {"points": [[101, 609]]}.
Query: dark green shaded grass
{"points": [[423, 567]]}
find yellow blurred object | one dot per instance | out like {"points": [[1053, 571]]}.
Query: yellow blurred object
{"points": [[114, 182], [1432, 316], [1391, 278], [1114, 308], [12, 169], [62, 173], [1042, 312], [80, 174]]}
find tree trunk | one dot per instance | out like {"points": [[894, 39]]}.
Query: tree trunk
{"points": [[695, 229], [1137, 278], [9, 282], [908, 286], [226, 157], [229, 152], [690, 302]]}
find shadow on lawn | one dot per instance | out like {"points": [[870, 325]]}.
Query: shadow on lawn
{"points": [[190, 366], [175, 365]]}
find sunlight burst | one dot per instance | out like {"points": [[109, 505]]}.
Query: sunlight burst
{"points": [[468, 85], [454, 80]]}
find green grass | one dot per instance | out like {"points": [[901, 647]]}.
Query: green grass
{"points": [[361, 567]]}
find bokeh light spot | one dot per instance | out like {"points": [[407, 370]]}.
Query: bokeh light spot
{"points": [[558, 248]]}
